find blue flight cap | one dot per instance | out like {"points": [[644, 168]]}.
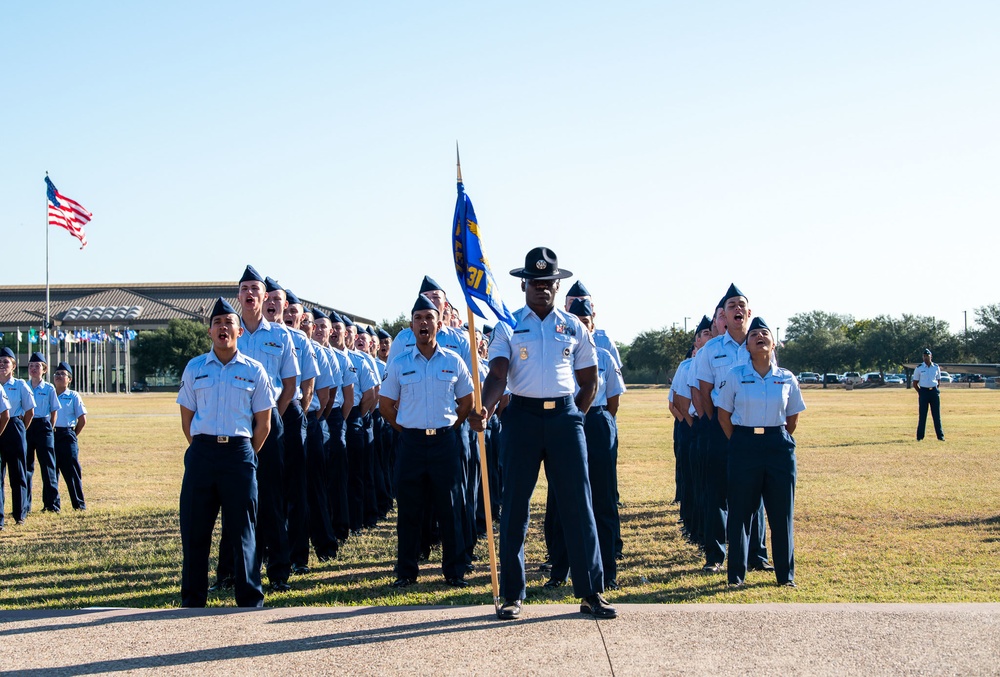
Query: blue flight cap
{"points": [[222, 307], [733, 291], [7, 352], [927, 351], [251, 275], [383, 334], [703, 325], [578, 290], [758, 323], [370, 331], [319, 314], [423, 303], [581, 308], [429, 285], [270, 284], [335, 317], [292, 298], [37, 357], [487, 329], [348, 322], [64, 366]]}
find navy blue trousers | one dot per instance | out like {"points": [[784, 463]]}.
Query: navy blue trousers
{"points": [[929, 398], [601, 431], [68, 465], [219, 476], [471, 493], [320, 527], [532, 436], [429, 467], [383, 497], [295, 491], [336, 478], [761, 468], [371, 513], [356, 469], [42, 444], [13, 456]]}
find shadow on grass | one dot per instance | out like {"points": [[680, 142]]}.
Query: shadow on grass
{"points": [[991, 524]]}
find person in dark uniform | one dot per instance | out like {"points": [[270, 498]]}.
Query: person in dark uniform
{"points": [[543, 358], [71, 421], [759, 405], [226, 401], [41, 441], [13, 442], [426, 397], [926, 378], [4, 420]]}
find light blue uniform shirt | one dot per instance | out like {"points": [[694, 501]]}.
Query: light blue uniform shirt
{"points": [[714, 360], [46, 400], [609, 378], [4, 402], [927, 377], [602, 340], [449, 338], [224, 397], [19, 396], [348, 375], [70, 409], [272, 347], [305, 354], [757, 401], [543, 354], [679, 385], [366, 375], [426, 390], [324, 379]]}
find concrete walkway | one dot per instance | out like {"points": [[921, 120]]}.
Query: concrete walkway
{"points": [[716, 639]]}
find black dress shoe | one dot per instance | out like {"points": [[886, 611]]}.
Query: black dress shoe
{"points": [[299, 569], [457, 582], [612, 585], [733, 586], [403, 582], [280, 586], [220, 584], [789, 584], [941, 439], [545, 566], [469, 568], [554, 583], [712, 568], [597, 606], [510, 610], [761, 566]]}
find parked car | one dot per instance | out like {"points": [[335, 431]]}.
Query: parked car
{"points": [[832, 378], [894, 379], [972, 378], [873, 377], [809, 377], [945, 377], [852, 377]]}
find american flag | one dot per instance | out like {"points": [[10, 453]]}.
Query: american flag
{"points": [[67, 213]]}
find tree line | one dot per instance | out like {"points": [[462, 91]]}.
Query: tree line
{"points": [[832, 343]]}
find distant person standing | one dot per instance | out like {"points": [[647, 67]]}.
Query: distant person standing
{"points": [[70, 423], [926, 378], [13, 442], [41, 442]]}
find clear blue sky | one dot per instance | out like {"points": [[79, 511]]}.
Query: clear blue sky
{"points": [[832, 156]]}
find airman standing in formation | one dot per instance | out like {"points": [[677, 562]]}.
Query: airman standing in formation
{"points": [[40, 436], [13, 441]]}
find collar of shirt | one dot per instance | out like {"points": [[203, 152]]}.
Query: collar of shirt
{"points": [[264, 324]]}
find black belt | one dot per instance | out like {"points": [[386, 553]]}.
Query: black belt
{"points": [[759, 430], [547, 403], [221, 439], [19, 418], [598, 407], [428, 431]]}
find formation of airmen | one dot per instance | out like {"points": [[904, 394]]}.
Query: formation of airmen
{"points": [[39, 422], [305, 429]]}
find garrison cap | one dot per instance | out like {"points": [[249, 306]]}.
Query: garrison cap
{"points": [[369, 330], [429, 285], [423, 303], [578, 290], [335, 317], [37, 357], [270, 284], [222, 307], [541, 263], [7, 352], [927, 351], [581, 308], [487, 328], [292, 298], [383, 334], [732, 292], [319, 314], [251, 275], [758, 323], [703, 325], [348, 322], [64, 366]]}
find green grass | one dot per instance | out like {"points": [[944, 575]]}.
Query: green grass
{"points": [[879, 517]]}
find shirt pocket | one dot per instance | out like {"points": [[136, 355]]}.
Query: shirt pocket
{"points": [[444, 386], [271, 357], [525, 346], [410, 386], [242, 394], [565, 345], [204, 394]]}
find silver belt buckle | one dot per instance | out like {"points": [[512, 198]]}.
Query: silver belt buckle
{"points": [[431, 431], [548, 404], [222, 439], [758, 431]]}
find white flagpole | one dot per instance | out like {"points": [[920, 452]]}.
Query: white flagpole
{"points": [[48, 309]]}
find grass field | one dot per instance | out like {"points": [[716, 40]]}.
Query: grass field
{"points": [[879, 517]]}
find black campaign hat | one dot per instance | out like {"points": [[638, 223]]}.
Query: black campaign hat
{"points": [[423, 303], [292, 298], [37, 357], [581, 308], [703, 325], [578, 290], [64, 366], [251, 275], [222, 307], [758, 323], [270, 284], [541, 263], [429, 284]]}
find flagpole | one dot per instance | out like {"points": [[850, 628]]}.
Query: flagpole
{"points": [[48, 318], [484, 479]]}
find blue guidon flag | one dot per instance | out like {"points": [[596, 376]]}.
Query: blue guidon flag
{"points": [[471, 264]]}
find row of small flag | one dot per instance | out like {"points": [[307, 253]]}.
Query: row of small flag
{"points": [[81, 336]]}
